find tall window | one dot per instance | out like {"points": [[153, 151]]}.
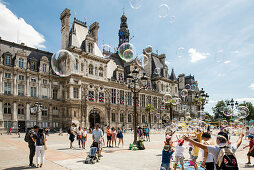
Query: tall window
{"points": [[113, 96], [32, 66], [7, 60], [33, 91], [120, 76], [149, 100], [113, 117], [122, 97], [161, 87], [129, 118], [7, 108], [21, 90], [121, 117], [44, 111], [75, 92], [21, 77], [55, 94], [75, 114], [90, 69], [7, 75], [7, 88], [143, 118], [21, 109], [33, 79], [129, 100], [143, 100], [90, 47], [101, 97], [44, 68], [101, 72], [91, 96], [155, 102], [44, 81], [21, 63], [76, 65]]}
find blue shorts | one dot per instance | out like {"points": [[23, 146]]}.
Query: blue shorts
{"points": [[165, 166]]}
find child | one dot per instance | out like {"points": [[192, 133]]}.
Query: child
{"points": [[251, 150], [84, 138], [166, 155], [194, 154], [168, 141], [179, 153]]}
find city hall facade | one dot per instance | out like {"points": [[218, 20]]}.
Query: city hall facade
{"points": [[96, 92]]}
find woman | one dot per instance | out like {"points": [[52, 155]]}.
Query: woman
{"points": [[208, 161], [40, 142], [120, 136], [79, 136], [72, 134], [84, 138], [113, 136]]}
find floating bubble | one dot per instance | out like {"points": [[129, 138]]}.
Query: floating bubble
{"points": [[181, 52], [193, 87], [187, 86], [106, 50], [224, 123], [172, 19], [148, 50], [142, 60], [157, 71], [126, 51], [63, 63], [135, 4], [219, 56], [184, 93], [242, 112], [227, 111], [163, 10]]}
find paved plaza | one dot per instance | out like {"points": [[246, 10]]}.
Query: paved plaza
{"points": [[14, 154]]}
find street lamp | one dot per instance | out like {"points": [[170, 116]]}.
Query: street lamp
{"points": [[201, 98], [136, 84]]}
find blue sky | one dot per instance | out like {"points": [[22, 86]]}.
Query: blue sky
{"points": [[207, 30]]}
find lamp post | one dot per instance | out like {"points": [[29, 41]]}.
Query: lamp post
{"points": [[201, 99], [136, 84], [233, 104]]}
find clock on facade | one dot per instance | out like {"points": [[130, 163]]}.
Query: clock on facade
{"points": [[121, 33]]}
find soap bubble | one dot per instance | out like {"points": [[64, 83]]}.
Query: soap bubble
{"points": [[135, 4], [106, 50], [184, 93], [219, 56], [172, 19], [227, 111], [148, 50], [163, 10], [63, 63], [126, 51], [242, 112], [193, 87], [157, 71], [187, 86], [142, 60], [224, 123], [181, 52]]}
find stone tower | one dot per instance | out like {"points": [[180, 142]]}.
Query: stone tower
{"points": [[123, 33], [64, 17]]}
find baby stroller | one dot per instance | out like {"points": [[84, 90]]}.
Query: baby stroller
{"points": [[93, 155]]}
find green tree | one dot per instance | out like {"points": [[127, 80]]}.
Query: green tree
{"points": [[149, 108], [250, 106], [219, 109]]}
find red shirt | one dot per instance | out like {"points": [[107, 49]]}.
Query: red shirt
{"points": [[251, 143], [108, 132]]}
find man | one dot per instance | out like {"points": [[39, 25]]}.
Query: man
{"points": [[97, 137], [222, 141], [31, 144]]}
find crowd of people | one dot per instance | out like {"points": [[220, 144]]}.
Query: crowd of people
{"points": [[219, 155]]}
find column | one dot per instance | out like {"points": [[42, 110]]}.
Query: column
{"points": [[70, 92], [79, 93], [39, 88], [14, 84], [1, 115], [50, 116], [60, 92], [1, 82], [50, 90], [28, 125], [27, 87], [15, 115]]}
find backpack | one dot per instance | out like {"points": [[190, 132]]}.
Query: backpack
{"points": [[226, 159], [27, 137]]}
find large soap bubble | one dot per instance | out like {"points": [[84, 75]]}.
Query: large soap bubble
{"points": [[242, 112], [142, 60], [135, 4], [126, 51], [63, 63], [163, 10], [184, 93], [106, 50]]}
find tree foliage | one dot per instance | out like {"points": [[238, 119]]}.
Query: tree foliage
{"points": [[250, 106]]}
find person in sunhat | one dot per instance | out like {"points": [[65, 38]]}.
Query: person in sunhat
{"points": [[166, 156], [251, 149]]}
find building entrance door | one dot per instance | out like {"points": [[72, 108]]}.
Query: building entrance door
{"points": [[94, 117], [22, 126]]}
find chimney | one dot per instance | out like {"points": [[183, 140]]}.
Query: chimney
{"points": [[94, 30], [64, 17]]}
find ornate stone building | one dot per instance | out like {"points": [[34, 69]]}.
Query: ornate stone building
{"points": [[96, 92]]}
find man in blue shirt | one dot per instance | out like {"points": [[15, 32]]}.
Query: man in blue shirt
{"points": [[166, 156]]}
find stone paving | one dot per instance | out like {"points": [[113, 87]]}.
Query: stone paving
{"points": [[14, 154]]}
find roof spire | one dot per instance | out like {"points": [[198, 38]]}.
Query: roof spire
{"points": [[123, 11], [75, 14]]}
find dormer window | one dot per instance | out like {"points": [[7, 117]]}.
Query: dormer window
{"points": [[44, 68], [33, 65], [7, 60], [90, 47], [21, 63], [90, 69], [101, 72]]}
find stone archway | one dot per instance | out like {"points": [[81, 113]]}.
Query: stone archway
{"points": [[94, 117]]}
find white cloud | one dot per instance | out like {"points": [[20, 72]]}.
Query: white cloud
{"points": [[16, 29], [251, 86], [168, 62], [197, 56], [241, 100], [227, 62]]}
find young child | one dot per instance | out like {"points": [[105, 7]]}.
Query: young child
{"points": [[168, 141], [194, 154], [166, 156], [179, 149], [251, 150]]}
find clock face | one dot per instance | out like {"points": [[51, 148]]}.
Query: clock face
{"points": [[121, 33]]}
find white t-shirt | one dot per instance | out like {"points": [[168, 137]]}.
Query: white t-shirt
{"points": [[179, 150], [209, 156], [79, 132], [215, 150], [84, 133]]}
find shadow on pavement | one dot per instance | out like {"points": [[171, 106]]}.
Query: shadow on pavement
{"points": [[19, 167], [63, 149]]}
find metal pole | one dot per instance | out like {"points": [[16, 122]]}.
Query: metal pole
{"points": [[135, 115]]}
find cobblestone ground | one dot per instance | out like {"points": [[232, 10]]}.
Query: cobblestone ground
{"points": [[14, 154]]}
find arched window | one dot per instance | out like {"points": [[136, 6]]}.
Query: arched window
{"points": [[21, 109], [7, 60], [90, 47], [101, 72], [129, 117], [121, 117], [113, 117], [90, 69], [7, 108]]}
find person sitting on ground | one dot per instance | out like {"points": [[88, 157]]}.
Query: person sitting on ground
{"points": [[222, 139], [166, 156], [208, 161], [251, 149], [179, 149], [97, 137]]}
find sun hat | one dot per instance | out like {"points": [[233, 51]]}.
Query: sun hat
{"points": [[180, 141], [168, 137]]}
